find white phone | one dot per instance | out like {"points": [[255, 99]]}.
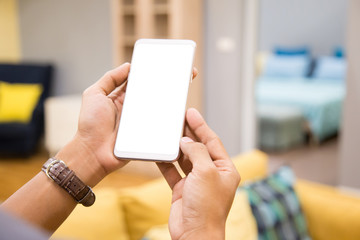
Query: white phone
{"points": [[153, 113]]}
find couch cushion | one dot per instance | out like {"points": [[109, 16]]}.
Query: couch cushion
{"points": [[331, 213], [251, 166], [276, 207], [17, 101], [13, 131], [240, 224], [160, 232], [28, 73], [17, 139], [145, 206], [103, 220]]}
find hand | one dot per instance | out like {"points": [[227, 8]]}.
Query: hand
{"points": [[97, 129], [202, 200], [99, 117]]}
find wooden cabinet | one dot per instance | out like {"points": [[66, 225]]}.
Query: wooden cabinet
{"points": [[169, 19]]}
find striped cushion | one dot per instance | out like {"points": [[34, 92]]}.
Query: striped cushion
{"points": [[276, 207]]}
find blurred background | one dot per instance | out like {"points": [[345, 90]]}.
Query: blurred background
{"points": [[276, 75]]}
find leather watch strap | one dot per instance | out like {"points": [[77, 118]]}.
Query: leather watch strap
{"points": [[58, 171]]}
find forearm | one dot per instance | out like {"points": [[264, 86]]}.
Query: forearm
{"points": [[44, 203], [41, 202]]}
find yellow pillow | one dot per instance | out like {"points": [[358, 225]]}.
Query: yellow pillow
{"points": [[160, 232], [18, 100], [330, 213], [240, 225], [146, 206], [251, 166], [103, 220]]}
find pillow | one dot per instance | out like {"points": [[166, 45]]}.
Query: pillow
{"points": [[18, 100], [276, 207], [287, 66], [339, 52], [146, 206], [332, 213], [330, 68], [105, 220], [291, 51], [251, 166], [240, 224], [160, 232]]}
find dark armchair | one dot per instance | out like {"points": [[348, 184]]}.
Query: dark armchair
{"points": [[22, 138]]}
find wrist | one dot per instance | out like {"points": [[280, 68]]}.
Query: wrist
{"points": [[79, 158]]}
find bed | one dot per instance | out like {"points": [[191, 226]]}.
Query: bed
{"points": [[320, 100], [316, 88]]}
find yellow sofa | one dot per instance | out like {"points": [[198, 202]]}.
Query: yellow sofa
{"points": [[127, 214]]}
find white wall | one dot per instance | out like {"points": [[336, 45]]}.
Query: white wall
{"points": [[228, 90], [320, 24], [349, 168], [73, 35]]}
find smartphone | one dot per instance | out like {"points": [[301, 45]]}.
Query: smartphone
{"points": [[152, 118]]}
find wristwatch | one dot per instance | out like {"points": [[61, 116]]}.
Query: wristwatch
{"points": [[57, 170]]}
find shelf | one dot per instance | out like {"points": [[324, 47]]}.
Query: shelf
{"points": [[130, 2], [165, 19], [156, 2], [161, 9], [128, 53], [129, 25], [128, 10], [161, 25], [129, 40]]}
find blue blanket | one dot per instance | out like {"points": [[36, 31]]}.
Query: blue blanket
{"points": [[320, 100]]}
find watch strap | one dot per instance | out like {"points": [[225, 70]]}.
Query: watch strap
{"points": [[57, 170]]}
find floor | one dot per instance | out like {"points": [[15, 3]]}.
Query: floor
{"points": [[316, 163]]}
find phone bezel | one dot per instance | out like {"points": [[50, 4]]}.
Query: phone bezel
{"points": [[158, 157]]}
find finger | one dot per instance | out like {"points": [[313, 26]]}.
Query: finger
{"points": [[119, 91], [118, 95], [207, 136], [196, 152], [189, 133], [184, 161], [112, 79], [185, 164], [170, 173]]}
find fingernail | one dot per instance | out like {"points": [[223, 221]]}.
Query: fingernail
{"points": [[186, 139]]}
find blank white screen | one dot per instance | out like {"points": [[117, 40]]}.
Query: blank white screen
{"points": [[155, 100]]}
